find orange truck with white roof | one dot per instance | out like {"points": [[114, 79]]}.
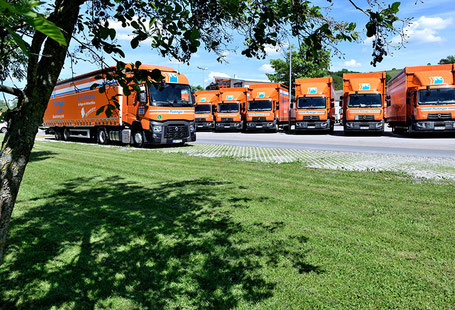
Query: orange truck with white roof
{"points": [[231, 108], [206, 103], [422, 99], [268, 107], [314, 108], [161, 114], [363, 102]]}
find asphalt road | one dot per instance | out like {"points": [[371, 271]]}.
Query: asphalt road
{"points": [[427, 146]]}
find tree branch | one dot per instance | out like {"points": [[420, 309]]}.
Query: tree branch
{"points": [[358, 8], [12, 91]]}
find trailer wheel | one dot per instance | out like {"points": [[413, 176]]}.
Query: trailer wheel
{"points": [[138, 138], [66, 134], [58, 134], [101, 136]]}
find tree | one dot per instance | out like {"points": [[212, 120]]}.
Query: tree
{"points": [[447, 60], [338, 77], [197, 87], [37, 45], [303, 66]]}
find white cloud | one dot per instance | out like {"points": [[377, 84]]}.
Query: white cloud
{"points": [[213, 74], [352, 63], [424, 30], [266, 68], [271, 50]]}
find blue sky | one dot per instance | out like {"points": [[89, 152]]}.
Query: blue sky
{"points": [[431, 37]]}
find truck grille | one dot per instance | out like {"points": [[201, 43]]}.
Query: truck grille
{"points": [[227, 119], [258, 119], [200, 120], [176, 132], [366, 117], [440, 116], [311, 117]]}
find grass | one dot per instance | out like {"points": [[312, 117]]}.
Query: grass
{"points": [[122, 228]]}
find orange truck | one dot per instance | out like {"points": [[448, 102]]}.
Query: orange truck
{"points": [[422, 99], [363, 102], [161, 114], [206, 103], [231, 109], [314, 108], [268, 107]]}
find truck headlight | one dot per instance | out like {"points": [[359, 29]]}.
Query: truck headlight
{"points": [[356, 117], [192, 127], [157, 129]]}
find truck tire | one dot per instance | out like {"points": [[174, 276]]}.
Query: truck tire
{"points": [[101, 136], [58, 134], [3, 130], [66, 134], [138, 138]]}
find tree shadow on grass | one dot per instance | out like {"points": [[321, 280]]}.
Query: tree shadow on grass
{"points": [[115, 244], [40, 155]]}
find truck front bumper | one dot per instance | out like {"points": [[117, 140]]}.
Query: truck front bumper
{"points": [[201, 125], [364, 126], [312, 125], [170, 132], [228, 126], [260, 125], [432, 126]]}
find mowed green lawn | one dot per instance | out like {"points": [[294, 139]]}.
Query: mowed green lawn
{"points": [[121, 228]]}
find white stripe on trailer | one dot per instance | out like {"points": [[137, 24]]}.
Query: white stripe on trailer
{"points": [[120, 103]]}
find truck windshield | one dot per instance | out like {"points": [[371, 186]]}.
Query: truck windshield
{"points": [[365, 101], [260, 105], [202, 108], [229, 107], [437, 96], [170, 95], [311, 103]]}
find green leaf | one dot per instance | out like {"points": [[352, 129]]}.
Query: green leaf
{"points": [[46, 27], [93, 86], [100, 110], [19, 41]]}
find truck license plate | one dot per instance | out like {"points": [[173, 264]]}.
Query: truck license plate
{"points": [[311, 126], [364, 127], [439, 128], [177, 141], [258, 126]]}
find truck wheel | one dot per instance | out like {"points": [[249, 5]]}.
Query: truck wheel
{"points": [[66, 134], [3, 130], [58, 134], [138, 138], [101, 136]]}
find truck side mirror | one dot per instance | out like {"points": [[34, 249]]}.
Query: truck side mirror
{"points": [[340, 104], [341, 98], [142, 97], [292, 105], [388, 103], [387, 97], [213, 109]]}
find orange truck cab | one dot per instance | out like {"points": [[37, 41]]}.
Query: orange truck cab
{"points": [[363, 102], [206, 103], [314, 108], [422, 99], [161, 114], [231, 108], [268, 107]]}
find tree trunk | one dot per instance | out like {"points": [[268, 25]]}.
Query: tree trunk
{"points": [[24, 121]]}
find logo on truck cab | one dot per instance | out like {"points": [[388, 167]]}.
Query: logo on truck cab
{"points": [[203, 99], [437, 80], [230, 97], [173, 77], [365, 86], [312, 90], [261, 95]]}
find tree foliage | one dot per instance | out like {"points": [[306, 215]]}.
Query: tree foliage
{"points": [[447, 60], [304, 65]]}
